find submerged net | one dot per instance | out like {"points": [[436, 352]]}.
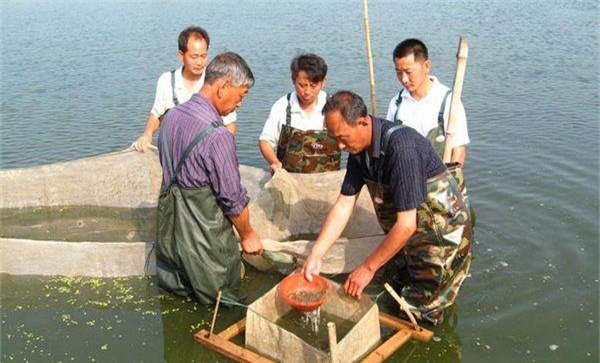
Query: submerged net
{"points": [[287, 211], [277, 331]]}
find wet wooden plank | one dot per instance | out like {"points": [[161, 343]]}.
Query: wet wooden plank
{"points": [[234, 330], [388, 348], [395, 323], [229, 349]]}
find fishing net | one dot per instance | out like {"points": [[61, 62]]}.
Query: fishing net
{"points": [[91, 200]]}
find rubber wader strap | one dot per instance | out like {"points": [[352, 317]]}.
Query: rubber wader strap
{"points": [[324, 123], [398, 102], [165, 150], [175, 100], [441, 112], [288, 111], [206, 130], [384, 145]]}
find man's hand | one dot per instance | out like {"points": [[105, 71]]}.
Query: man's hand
{"points": [[252, 245], [358, 280], [141, 144], [274, 167], [312, 267]]}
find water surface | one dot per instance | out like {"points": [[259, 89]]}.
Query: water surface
{"points": [[78, 79]]}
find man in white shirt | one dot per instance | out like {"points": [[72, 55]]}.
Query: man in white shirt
{"points": [[424, 103], [178, 86], [296, 126]]}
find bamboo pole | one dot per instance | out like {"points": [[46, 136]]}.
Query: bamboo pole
{"points": [[370, 59], [212, 325], [461, 65], [333, 354], [403, 305]]}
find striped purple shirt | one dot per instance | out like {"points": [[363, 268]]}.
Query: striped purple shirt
{"points": [[212, 162]]}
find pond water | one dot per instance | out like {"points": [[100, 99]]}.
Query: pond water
{"points": [[312, 326], [79, 224], [78, 79]]}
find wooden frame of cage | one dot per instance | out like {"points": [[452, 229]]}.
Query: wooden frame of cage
{"points": [[221, 342]]}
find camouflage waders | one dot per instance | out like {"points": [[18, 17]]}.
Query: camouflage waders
{"points": [[306, 151], [437, 139], [435, 260]]}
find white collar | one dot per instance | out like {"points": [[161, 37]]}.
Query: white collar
{"points": [[435, 83], [179, 78], [295, 104]]}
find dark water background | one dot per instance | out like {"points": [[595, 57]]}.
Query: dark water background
{"points": [[78, 79]]}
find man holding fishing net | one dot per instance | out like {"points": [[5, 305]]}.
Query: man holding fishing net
{"points": [[178, 86], [202, 198], [428, 239]]}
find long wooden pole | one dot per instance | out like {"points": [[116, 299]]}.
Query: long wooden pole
{"points": [[370, 59], [461, 65]]}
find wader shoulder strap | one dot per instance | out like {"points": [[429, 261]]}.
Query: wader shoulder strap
{"points": [[324, 123], [398, 102], [165, 150], [384, 145], [288, 111], [204, 132], [441, 112], [175, 100]]}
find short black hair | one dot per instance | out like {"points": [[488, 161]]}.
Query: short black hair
{"points": [[314, 66], [190, 31], [232, 66], [350, 105], [411, 46]]}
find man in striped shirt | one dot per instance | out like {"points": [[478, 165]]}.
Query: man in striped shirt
{"points": [[202, 195], [417, 202]]}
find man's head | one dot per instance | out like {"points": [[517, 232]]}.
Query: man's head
{"points": [[348, 122], [193, 49], [411, 59], [309, 74], [228, 79]]}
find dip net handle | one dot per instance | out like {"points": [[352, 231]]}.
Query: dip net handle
{"points": [[403, 305]]}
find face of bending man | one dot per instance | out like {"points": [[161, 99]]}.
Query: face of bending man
{"points": [[353, 138], [229, 98], [195, 58]]}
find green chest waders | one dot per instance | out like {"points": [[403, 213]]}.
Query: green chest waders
{"points": [[436, 259], [197, 251], [437, 139], [306, 151]]}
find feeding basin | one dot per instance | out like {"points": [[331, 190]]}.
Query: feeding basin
{"points": [[302, 294]]}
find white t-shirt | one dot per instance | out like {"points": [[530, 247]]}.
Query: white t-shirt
{"points": [[164, 94], [300, 119], [422, 115]]}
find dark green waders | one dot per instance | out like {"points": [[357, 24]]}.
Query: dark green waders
{"points": [[197, 251], [436, 259]]}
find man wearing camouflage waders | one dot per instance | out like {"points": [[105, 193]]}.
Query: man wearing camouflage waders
{"points": [[296, 126], [202, 195], [418, 205], [423, 103]]}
